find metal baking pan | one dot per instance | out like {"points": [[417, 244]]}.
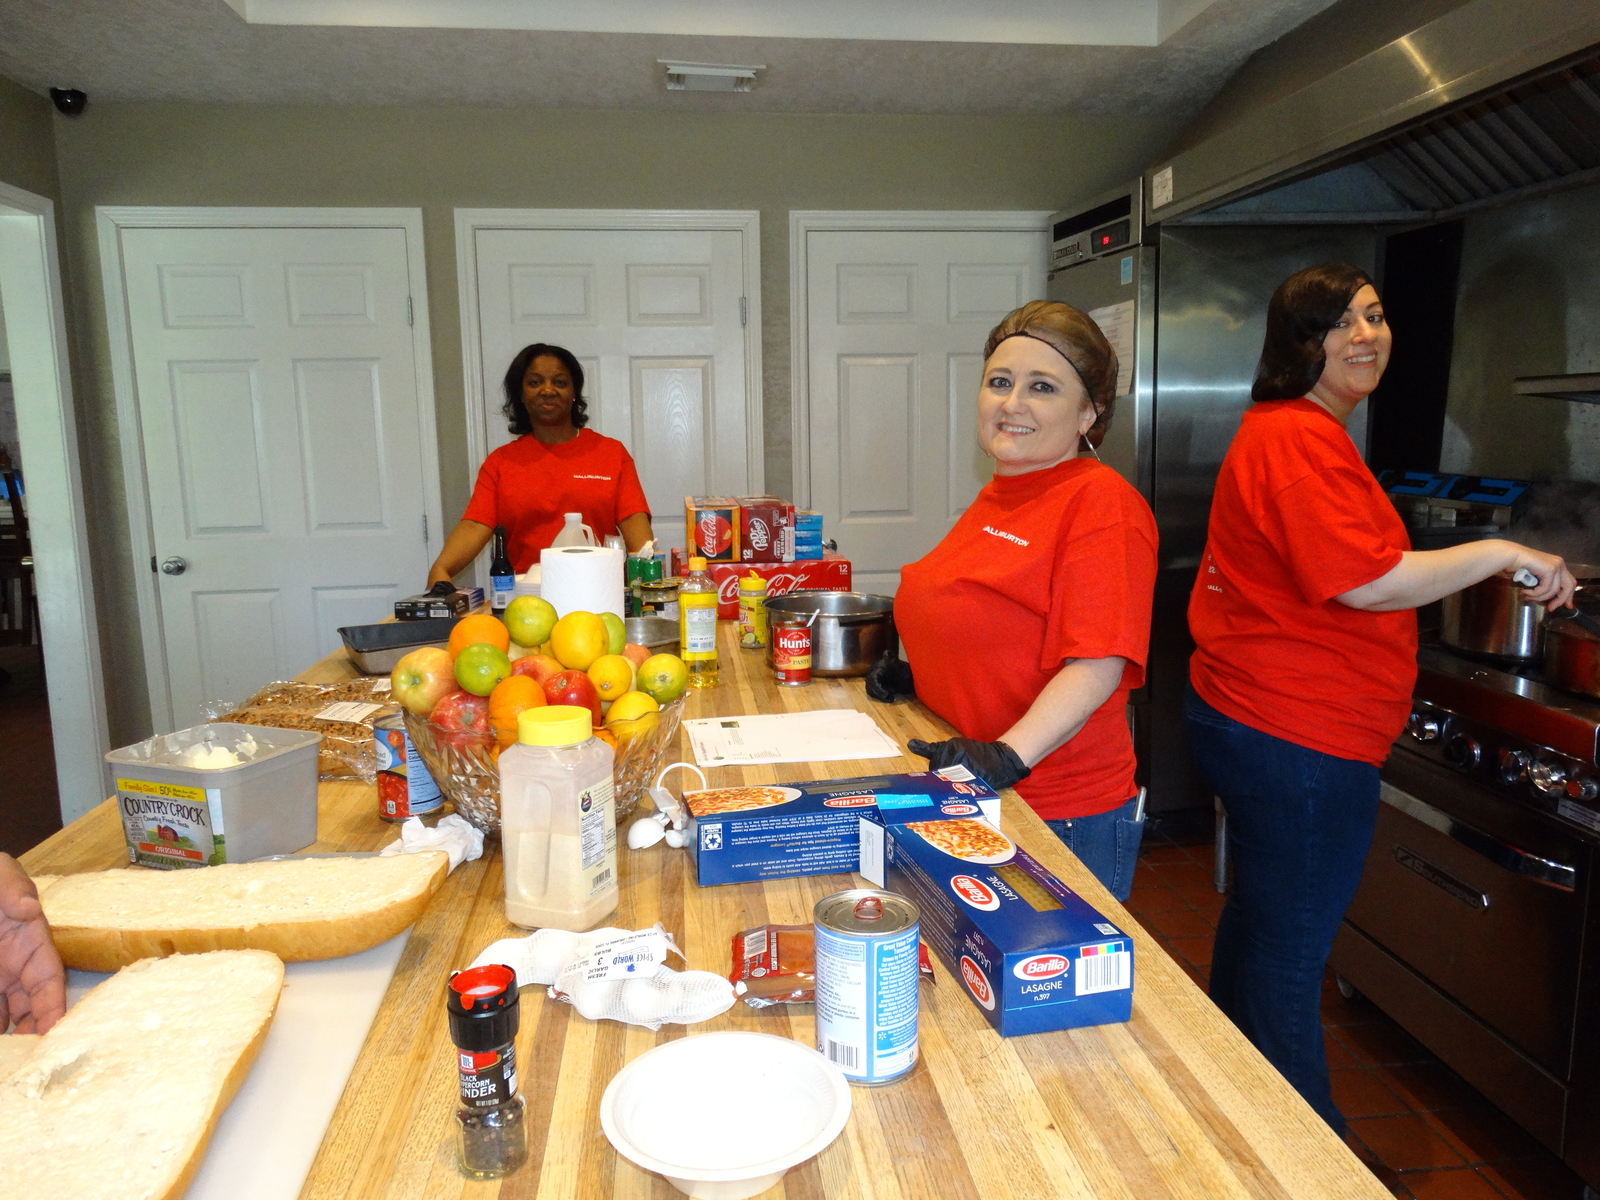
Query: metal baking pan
{"points": [[376, 648]]}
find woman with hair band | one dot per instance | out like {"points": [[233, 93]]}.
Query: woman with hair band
{"points": [[555, 466], [1305, 657], [1027, 626]]}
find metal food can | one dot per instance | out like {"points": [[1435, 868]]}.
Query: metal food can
{"points": [[405, 789], [866, 984], [791, 654]]}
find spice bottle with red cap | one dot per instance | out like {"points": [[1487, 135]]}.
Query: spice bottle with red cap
{"points": [[492, 1138]]}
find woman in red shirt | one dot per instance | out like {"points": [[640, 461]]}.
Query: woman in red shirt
{"points": [[1305, 656], [555, 466], [1027, 626]]}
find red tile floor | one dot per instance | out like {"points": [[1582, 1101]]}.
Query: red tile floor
{"points": [[1424, 1132]]}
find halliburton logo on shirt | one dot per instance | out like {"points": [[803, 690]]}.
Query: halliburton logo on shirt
{"points": [[607, 478], [1010, 537]]}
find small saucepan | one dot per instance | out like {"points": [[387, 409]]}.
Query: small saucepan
{"points": [[849, 630], [1572, 643]]}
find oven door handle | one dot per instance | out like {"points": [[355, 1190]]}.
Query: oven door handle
{"points": [[1509, 858]]}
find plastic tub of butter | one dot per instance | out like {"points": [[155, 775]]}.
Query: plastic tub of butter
{"points": [[216, 794]]}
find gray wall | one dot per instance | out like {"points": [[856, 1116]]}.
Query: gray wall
{"points": [[1528, 304], [441, 158]]}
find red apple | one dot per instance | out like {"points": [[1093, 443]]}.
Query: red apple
{"points": [[461, 712], [422, 678], [575, 688], [540, 667]]}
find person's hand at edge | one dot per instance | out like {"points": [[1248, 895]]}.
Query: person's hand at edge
{"points": [[890, 678], [996, 763], [33, 984]]}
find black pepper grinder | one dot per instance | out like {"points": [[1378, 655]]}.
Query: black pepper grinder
{"points": [[484, 1016]]}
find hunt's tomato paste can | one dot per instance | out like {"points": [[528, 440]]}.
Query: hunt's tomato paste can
{"points": [[791, 654], [866, 984], [405, 789]]}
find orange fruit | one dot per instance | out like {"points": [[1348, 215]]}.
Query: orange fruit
{"points": [[479, 627], [578, 639], [606, 736], [612, 675], [511, 697]]}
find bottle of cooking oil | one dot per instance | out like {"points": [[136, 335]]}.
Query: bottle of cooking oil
{"points": [[697, 624]]}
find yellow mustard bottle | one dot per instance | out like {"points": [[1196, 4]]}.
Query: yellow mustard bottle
{"points": [[697, 624]]}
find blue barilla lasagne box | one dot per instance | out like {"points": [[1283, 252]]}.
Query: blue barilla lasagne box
{"points": [[1033, 954], [777, 831]]}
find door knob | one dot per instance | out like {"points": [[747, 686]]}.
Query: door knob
{"points": [[174, 566]]}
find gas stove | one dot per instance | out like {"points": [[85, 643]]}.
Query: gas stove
{"points": [[1508, 731]]}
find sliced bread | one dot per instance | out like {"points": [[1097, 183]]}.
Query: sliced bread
{"points": [[120, 1098], [300, 909]]}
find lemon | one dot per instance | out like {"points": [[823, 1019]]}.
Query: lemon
{"points": [[663, 677], [630, 705]]}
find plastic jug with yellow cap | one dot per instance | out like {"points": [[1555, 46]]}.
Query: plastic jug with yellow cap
{"points": [[558, 822]]}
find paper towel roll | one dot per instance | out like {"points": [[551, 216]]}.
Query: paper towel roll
{"points": [[582, 577]]}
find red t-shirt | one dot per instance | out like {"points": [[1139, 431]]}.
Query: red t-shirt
{"points": [[1045, 566], [1298, 519], [527, 486]]}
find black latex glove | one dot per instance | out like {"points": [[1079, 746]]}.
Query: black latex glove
{"points": [[889, 678], [995, 763]]}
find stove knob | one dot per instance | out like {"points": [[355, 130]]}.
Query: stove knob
{"points": [[1547, 778], [1513, 765], [1581, 787], [1462, 751], [1422, 727]]}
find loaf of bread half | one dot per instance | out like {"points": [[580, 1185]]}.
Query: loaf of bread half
{"points": [[300, 909], [120, 1098], [14, 1051]]}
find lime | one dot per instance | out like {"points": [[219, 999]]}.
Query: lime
{"points": [[618, 632], [530, 620], [663, 677]]}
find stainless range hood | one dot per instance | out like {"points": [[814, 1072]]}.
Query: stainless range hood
{"points": [[1491, 102]]}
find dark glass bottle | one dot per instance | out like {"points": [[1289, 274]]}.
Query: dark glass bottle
{"points": [[502, 577]]}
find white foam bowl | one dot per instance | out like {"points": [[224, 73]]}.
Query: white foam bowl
{"points": [[724, 1115]]}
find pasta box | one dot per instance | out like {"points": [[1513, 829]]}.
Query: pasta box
{"points": [[1032, 953], [778, 831]]}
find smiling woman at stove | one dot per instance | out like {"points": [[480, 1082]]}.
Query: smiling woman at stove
{"points": [[1028, 624], [1306, 637], [555, 466]]}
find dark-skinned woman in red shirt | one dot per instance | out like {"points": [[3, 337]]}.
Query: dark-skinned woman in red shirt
{"points": [[1306, 637], [555, 466], [1027, 626]]}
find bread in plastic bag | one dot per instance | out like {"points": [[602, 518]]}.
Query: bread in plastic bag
{"points": [[347, 750]]}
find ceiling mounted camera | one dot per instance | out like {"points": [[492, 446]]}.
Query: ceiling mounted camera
{"points": [[69, 101]]}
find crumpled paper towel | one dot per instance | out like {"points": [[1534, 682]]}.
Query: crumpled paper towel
{"points": [[455, 835]]}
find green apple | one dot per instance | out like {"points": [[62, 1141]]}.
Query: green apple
{"points": [[530, 620], [480, 666], [616, 631]]}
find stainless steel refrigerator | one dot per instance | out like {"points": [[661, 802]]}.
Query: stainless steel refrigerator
{"points": [[1185, 306]]}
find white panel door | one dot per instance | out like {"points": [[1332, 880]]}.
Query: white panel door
{"points": [[282, 439], [896, 325], [656, 319]]}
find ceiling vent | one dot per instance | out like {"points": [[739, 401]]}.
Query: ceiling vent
{"points": [[709, 77]]}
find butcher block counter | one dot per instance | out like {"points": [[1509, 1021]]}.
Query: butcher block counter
{"points": [[1173, 1103]]}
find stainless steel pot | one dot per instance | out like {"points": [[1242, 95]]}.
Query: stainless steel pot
{"points": [[849, 630], [1493, 616]]}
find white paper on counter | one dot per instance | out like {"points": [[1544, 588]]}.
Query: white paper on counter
{"points": [[1116, 322], [266, 1139], [827, 735]]}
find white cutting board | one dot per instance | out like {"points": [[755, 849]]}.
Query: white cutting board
{"points": [[264, 1143]]}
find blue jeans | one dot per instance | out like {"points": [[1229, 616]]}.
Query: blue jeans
{"points": [[1300, 823], [1107, 843]]}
